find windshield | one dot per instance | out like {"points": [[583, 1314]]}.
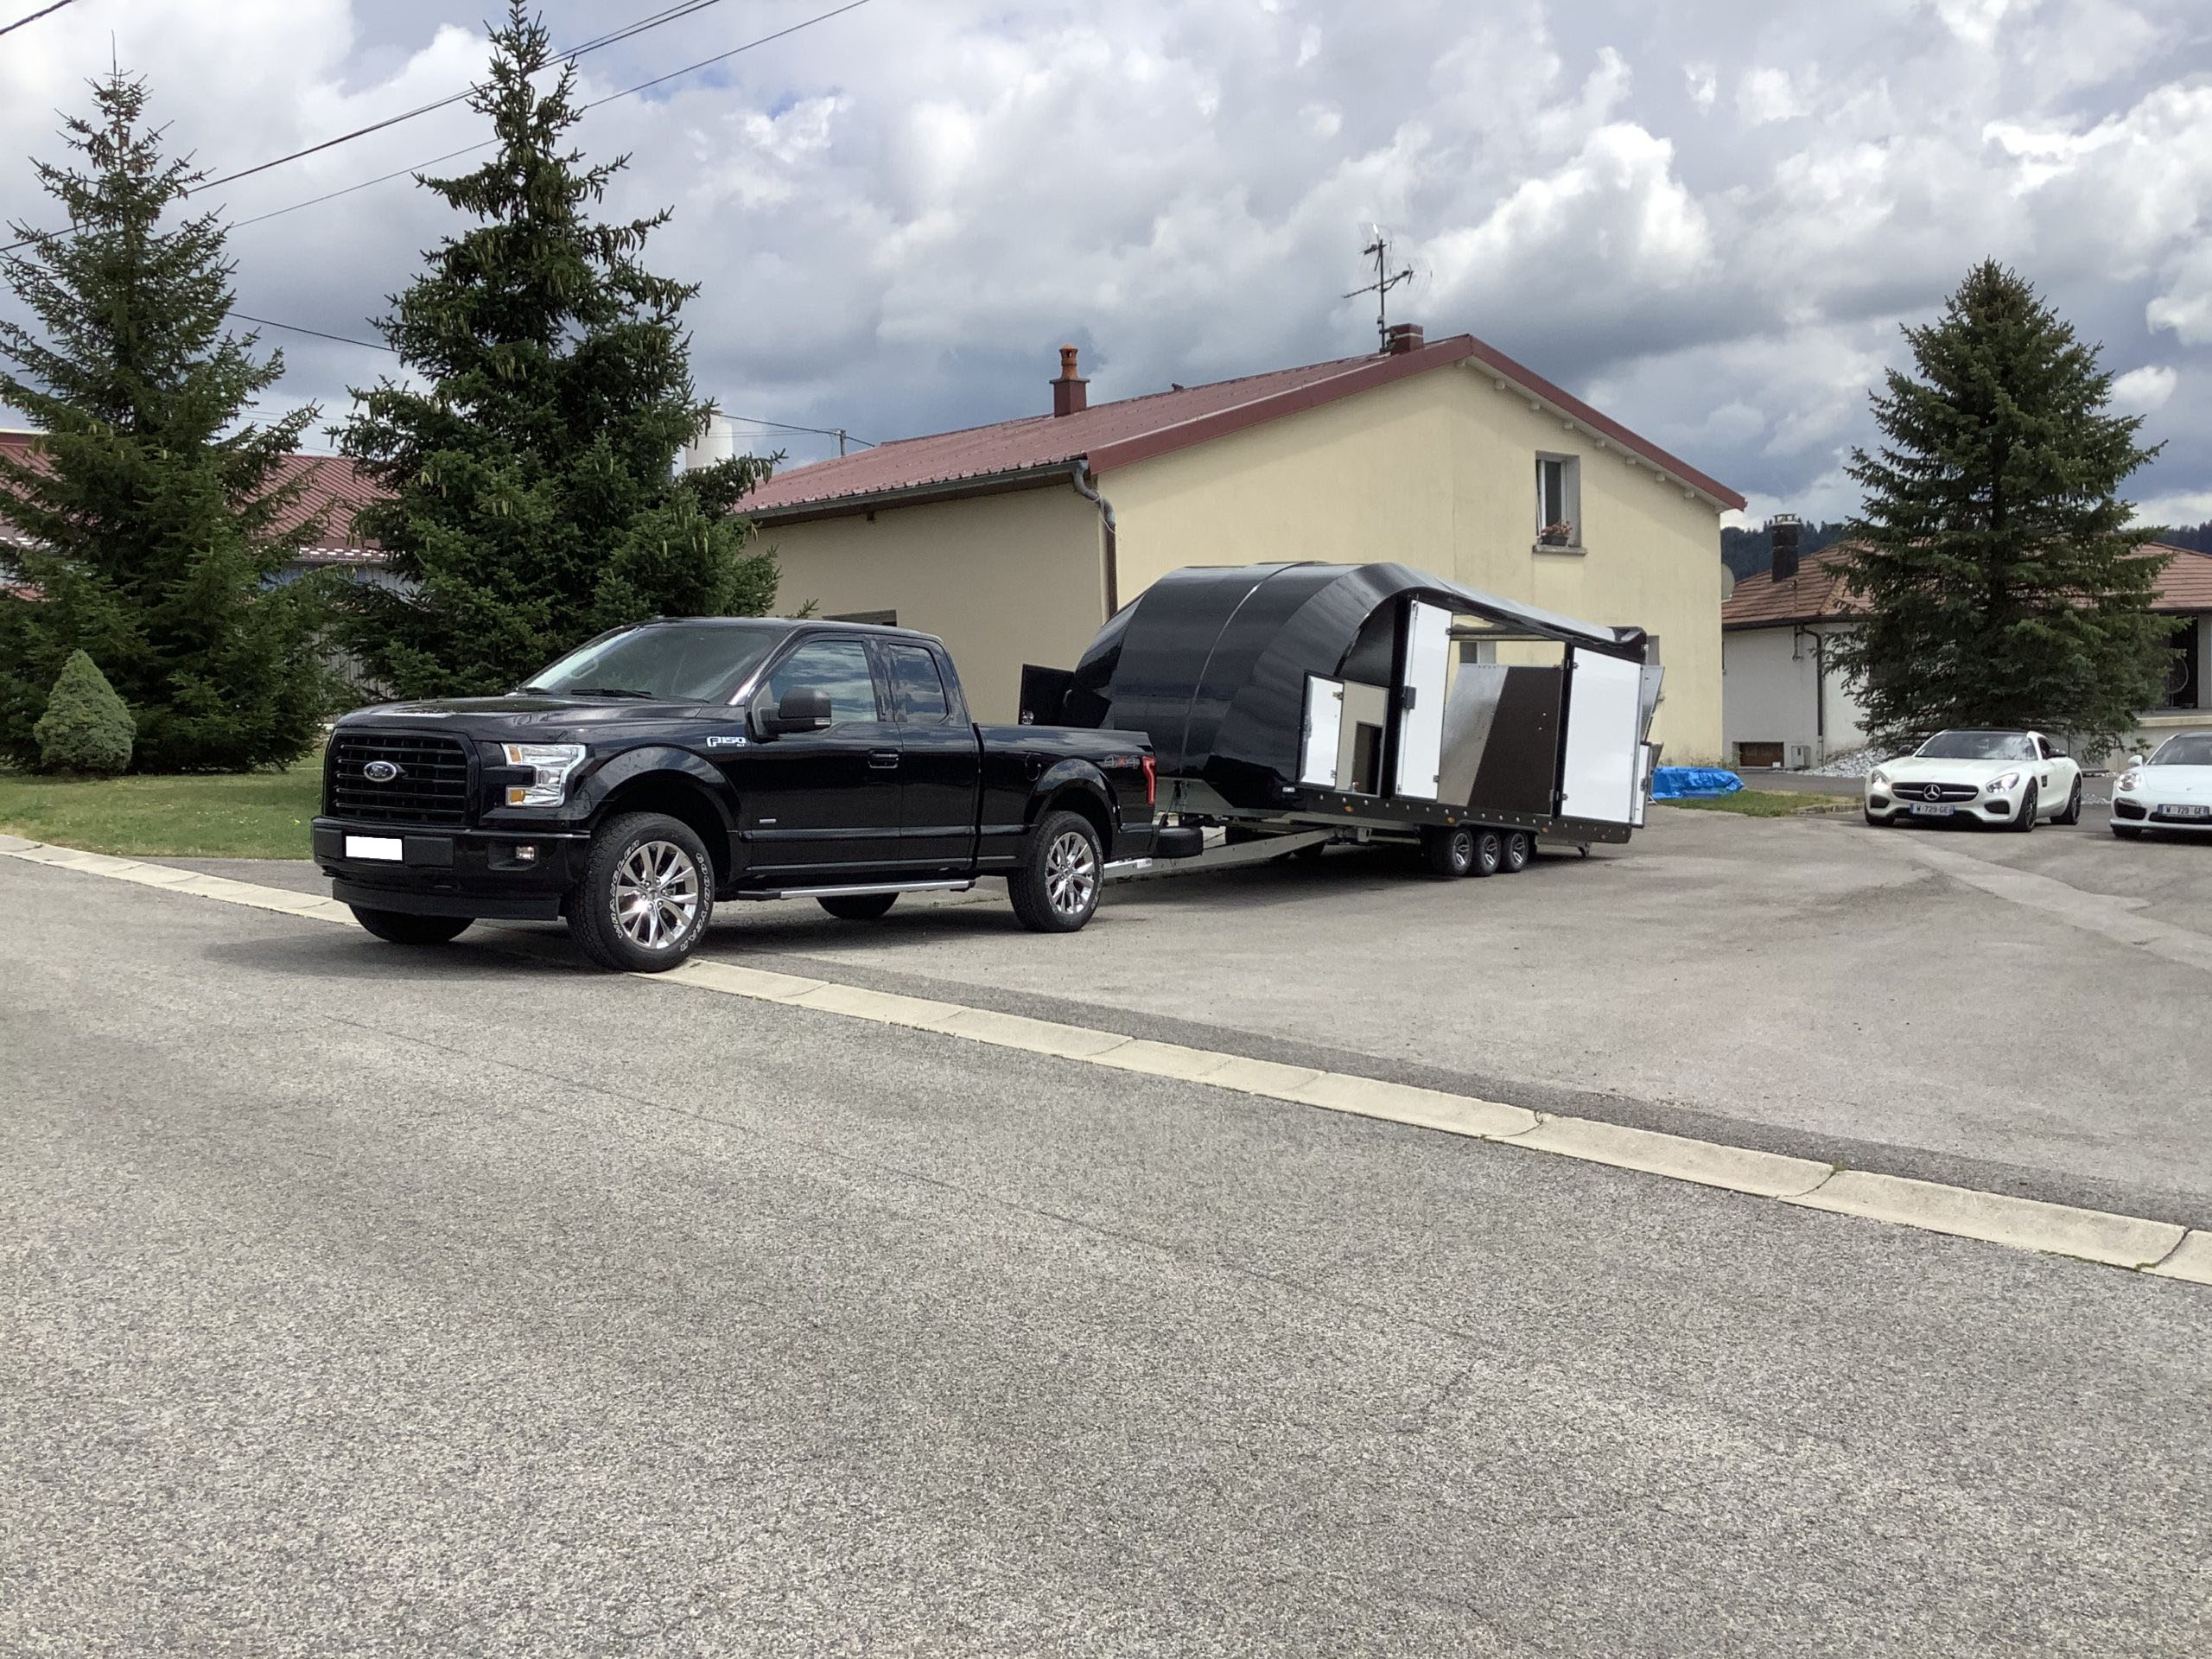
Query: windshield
{"points": [[680, 662], [1977, 746], [2190, 749]]}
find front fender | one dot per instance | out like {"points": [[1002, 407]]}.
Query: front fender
{"points": [[657, 759]]}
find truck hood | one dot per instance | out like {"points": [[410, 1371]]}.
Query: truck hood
{"points": [[523, 719]]}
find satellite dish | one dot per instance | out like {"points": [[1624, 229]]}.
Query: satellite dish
{"points": [[1727, 583]]}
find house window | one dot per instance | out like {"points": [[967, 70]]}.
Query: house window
{"points": [[1558, 501], [2182, 690]]}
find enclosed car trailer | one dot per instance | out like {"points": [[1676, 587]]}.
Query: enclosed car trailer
{"points": [[1366, 701]]}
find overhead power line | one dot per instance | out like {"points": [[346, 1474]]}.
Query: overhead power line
{"points": [[43, 11], [643, 86], [655, 20], [836, 432]]}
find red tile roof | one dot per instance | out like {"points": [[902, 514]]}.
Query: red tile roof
{"points": [[336, 491], [1132, 430], [1817, 593]]}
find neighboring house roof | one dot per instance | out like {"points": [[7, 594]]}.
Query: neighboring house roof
{"points": [[335, 490], [1008, 453], [1817, 593]]}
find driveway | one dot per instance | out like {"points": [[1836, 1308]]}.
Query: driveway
{"points": [[1805, 985], [363, 1300]]}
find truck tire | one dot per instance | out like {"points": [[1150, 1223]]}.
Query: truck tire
{"points": [[402, 929], [859, 906], [1055, 889], [1520, 848], [1448, 850], [647, 896]]}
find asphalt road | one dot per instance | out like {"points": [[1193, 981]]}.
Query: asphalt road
{"points": [[362, 1301]]}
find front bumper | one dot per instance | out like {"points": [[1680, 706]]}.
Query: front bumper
{"points": [[1983, 808], [506, 876], [2134, 813]]}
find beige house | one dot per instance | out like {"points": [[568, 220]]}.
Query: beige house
{"points": [[1015, 541]]}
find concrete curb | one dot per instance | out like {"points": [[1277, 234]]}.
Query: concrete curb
{"points": [[2159, 1248]]}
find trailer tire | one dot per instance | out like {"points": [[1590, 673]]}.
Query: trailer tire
{"points": [[1489, 852], [1448, 850], [1520, 848]]}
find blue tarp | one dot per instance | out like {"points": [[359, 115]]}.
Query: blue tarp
{"points": [[1673, 783]]}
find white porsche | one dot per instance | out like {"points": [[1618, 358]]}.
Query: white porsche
{"points": [[2008, 778], [2171, 790]]}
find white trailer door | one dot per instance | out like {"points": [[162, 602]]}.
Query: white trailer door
{"points": [[1420, 714], [1605, 734], [1325, 720]]}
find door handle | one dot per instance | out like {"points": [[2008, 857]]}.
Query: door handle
{"points": [[883, 760]]}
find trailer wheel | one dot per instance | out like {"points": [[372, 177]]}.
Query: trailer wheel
{"points": [[1489, 852], [1520, 848], [1448, 851]]}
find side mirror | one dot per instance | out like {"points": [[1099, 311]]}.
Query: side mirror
{"points": [[803, 708]]}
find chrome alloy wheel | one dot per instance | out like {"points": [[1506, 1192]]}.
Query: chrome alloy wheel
{"points": [[1071, 873], [655, 895]]}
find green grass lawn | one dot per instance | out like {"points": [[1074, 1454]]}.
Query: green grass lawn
{"points": [[241, 815], [1762, 802]]}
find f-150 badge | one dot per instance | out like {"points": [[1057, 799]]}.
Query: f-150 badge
{"points": [[726, 742]]}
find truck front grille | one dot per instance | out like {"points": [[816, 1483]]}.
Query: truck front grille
{"points": [[428, 782]]}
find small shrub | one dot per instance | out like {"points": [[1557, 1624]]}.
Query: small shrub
{"points": [[86, 727]]}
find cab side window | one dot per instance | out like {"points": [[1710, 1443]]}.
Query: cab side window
{"points": [[917, 689], [838, 669]]}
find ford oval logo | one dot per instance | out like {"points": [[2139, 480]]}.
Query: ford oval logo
{"points": [[380, 772]]}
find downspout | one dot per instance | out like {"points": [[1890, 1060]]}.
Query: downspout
{"points": [[1079, 474]]}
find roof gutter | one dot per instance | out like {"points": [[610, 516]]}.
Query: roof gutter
{"points": [[1079, 474], [907, 495]]}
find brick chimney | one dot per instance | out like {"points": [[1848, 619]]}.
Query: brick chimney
{"points": [[1071, 392], [1402, 338]]}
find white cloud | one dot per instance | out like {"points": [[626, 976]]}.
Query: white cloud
{"points": [[2140, 391], [897, 215], [1769, 94]]}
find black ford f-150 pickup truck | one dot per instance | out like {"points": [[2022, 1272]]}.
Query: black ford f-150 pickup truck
{"points": [[662, 766]]}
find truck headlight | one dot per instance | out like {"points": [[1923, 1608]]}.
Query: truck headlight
{"points": [[1998, 785], [553, 764]]}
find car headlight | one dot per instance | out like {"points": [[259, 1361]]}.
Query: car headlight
{"points": [[1879, 779], [2130, 781], [553, 764], [1998, 785]]}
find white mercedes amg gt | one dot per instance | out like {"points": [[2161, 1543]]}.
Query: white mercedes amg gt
{"points": [[2012, 779], [2171, 790]]}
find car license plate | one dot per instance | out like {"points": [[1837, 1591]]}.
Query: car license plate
{"points": [[2189, 812], [384, 847], [1923, 810]]}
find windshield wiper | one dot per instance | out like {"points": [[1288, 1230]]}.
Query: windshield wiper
{"points": [[610, 691]]}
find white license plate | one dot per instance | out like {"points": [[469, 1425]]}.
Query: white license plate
{"points": [[384, 847], [1923, 810], [2188, 811]]}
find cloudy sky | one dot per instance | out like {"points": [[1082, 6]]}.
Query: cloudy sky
{"points": [[1709, 220]]}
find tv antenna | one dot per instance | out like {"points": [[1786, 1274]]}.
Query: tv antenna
{"points": [[1378, 249]]}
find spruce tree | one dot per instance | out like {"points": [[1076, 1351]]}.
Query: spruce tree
{"points": [[143, 527], [1994, 548], [530, 462]]}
